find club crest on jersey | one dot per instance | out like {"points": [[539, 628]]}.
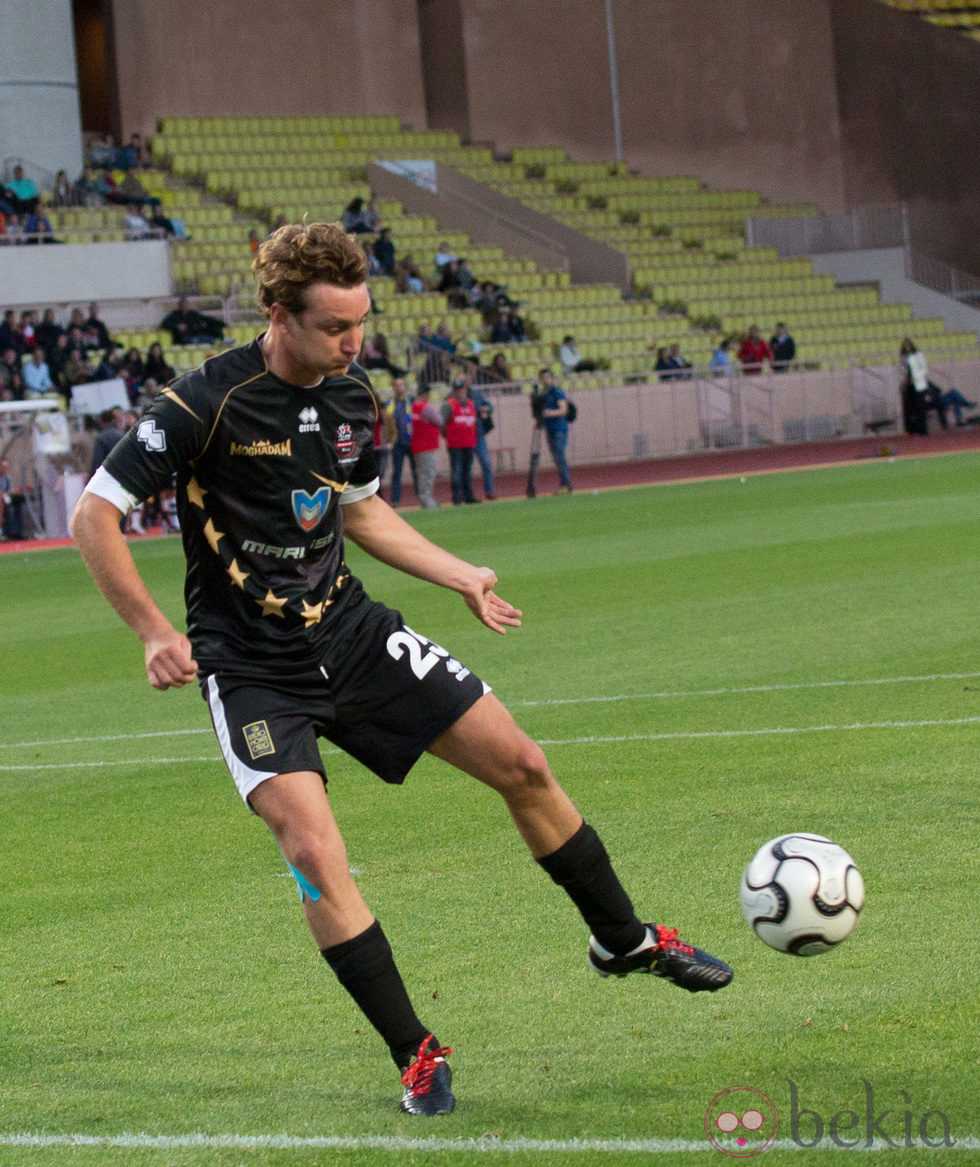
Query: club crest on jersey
{"points": [[308, 423], [309, 509], [345, 438]]}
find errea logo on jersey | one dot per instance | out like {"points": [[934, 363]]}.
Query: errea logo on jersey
{"points": [[154, 439], [308, 423]]}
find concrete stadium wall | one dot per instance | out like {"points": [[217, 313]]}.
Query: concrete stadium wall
{"points": [[83, 272], [910, 123], [250, 57]]}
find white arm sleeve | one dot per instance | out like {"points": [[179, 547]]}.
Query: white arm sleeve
{"points": [[105, 486]]}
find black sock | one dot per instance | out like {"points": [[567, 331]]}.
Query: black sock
{"points": [[364, 965], [581, 866]]}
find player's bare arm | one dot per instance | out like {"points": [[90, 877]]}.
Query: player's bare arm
{"points": [[95, 526], [380, 531]]}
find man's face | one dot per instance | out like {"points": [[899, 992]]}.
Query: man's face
{"points": [[327, 335]]}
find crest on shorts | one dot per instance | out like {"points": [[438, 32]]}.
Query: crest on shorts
{"points": [[258, 739], [345, 438], [309, 509]]}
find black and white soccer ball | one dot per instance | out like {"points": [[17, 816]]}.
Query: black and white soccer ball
{"points": [[802, 894]]}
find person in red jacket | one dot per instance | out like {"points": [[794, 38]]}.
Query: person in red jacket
{"points": [[459, 415], [753, 351], [426, 432]]}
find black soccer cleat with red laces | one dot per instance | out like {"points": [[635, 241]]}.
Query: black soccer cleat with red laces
{"points": [[664, 955], [427, 1082]]}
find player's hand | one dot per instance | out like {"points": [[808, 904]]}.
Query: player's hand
{"points": [[169, 661], [488, 607]]}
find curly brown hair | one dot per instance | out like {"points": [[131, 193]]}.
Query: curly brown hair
{"points": [[301, 254]]}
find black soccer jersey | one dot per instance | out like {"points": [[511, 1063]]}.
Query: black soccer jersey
{"points": [[261, 468]]}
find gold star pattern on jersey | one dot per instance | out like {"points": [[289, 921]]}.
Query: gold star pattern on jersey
{"points": [[272, 605]]}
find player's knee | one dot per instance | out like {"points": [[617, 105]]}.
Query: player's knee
{"points": [[315, 868], [526, 771]]}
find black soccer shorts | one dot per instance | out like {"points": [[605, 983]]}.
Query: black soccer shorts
{"points": [[382, 693]]}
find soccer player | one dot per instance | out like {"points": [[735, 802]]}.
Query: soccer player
{"points": [[272, 445]]}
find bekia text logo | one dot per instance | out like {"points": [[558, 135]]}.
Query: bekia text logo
{"points": [[743, 1122]]}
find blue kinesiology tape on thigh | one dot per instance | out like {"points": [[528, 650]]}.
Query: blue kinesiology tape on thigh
{"points": [[305, 887]]}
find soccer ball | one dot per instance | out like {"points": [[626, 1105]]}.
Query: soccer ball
{"points": [[801, 894]]}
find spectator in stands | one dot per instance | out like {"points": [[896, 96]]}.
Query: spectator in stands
{"points": [[9, 366], [354, 218], [753, 351], [384, 252], [10, 335], [134, 367], [571, 359], [78, 369], [102, 150], [133, 192], [11, 505], [48, 331], [498, 368], [451, 285], [484, 297], [111, 365], [37, 227], [442, 338], [376, 355], [254, 242], [136, 223], [28, 330], [63, 191], [57, 357], [783, 348], [95, 327], [187, 326], [87, 189], [37, 375], [443, 256], [134, 153], [148, 392], [721, 359], [22, 193], [671, 366], [156, 365], [436, 360], [508, 327], [408, 278], [106, 187], [110, 433], [954, 399]]}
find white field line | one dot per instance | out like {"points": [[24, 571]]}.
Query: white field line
{"points": [[612, 739], [669, 695], [432, 1145], [549, 701]]}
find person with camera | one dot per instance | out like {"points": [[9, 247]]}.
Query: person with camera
{"points": [[549, 406], [484, 424]]}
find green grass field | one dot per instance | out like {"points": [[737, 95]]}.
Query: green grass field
{"points": [[708, 665]]}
